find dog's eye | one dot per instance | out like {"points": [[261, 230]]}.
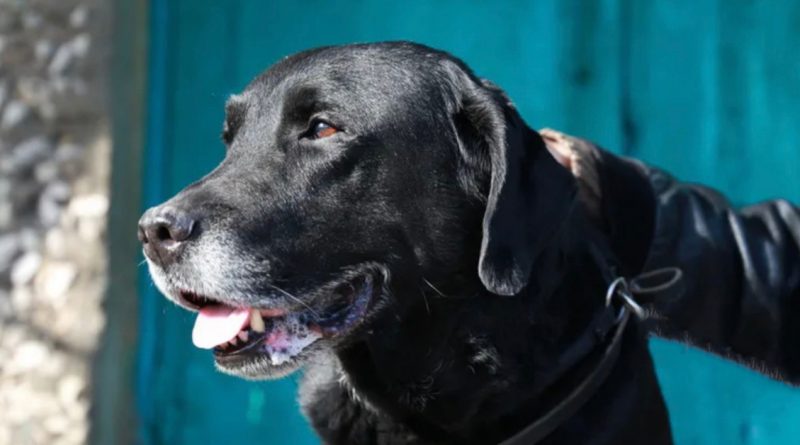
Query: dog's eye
{"points": [[321, 129]]}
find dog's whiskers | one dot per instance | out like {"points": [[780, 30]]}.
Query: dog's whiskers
{"points": [[441, 294], [316, 314], [425, 299]]}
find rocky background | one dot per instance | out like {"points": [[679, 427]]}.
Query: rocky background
{"points": [[54, 163]]}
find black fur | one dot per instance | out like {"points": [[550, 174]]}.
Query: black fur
{"points": [[435, 180]]}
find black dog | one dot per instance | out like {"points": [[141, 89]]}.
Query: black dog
{"points": [[387, 219]]}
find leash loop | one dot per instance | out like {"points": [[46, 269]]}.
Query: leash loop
{"points": [[655, 285], [656, 281], [619, 288]]}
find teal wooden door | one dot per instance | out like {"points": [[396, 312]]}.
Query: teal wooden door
{"points": [[708, 89]]}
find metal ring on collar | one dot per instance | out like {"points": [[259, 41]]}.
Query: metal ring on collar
{"points": [[620, 287]]}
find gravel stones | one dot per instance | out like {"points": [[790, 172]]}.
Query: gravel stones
{"points": [[54, 151]]}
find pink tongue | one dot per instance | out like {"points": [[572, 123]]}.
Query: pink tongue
{"points": [[216, 325]]}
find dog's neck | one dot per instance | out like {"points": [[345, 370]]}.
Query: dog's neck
{"points": [[478, 368], [482, 357]]}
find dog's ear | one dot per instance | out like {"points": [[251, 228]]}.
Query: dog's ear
{"points": [[530, 194]]}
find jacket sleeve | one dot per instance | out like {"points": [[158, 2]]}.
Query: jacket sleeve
{"points": [[741, 272]]}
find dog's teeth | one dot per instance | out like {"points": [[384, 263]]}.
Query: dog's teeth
{"points": [[233, 341], [256, 322], [243, 336]]}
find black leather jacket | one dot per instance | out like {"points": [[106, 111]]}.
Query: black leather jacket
{"points": [[741, 266]]}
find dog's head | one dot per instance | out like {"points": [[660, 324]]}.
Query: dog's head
{"points": [[350, 173]]}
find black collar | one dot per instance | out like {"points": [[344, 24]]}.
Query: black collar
{"points": [[622, 301], [628, 208]]}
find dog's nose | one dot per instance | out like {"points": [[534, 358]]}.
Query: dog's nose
{"points": [[164, 232]]}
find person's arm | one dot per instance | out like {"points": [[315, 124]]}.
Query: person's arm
{"points": [[741, 267], [742, 275]]}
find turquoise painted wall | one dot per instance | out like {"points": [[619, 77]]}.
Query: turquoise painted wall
{"points": [[709, 89]]}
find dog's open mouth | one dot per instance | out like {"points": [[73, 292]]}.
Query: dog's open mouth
{"points": [[276, 338]]}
